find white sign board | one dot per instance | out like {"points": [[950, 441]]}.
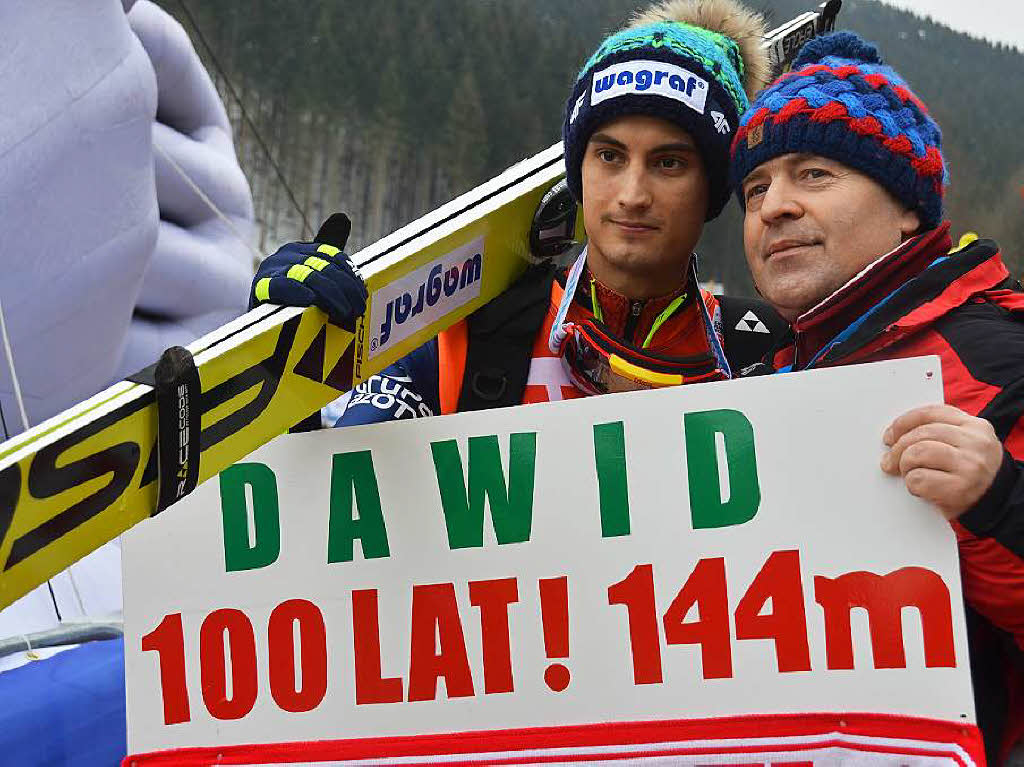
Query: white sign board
{"points": [[694, 553]]}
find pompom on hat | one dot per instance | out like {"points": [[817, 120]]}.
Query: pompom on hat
{"points": [[842, 102], [691, 62]]}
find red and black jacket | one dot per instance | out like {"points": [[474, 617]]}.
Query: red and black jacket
{"points": [[964, 307]]}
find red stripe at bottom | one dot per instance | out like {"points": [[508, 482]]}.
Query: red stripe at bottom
{"points": [[794, 739]]}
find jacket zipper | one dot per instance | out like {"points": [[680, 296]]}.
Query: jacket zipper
{"points": [[635, 308]]}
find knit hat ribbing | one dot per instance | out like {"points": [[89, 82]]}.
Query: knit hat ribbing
{"points": [[686, 74], [842, 102]]}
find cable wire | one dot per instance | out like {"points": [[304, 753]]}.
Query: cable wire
{"points": [[53, 598], [9, 353], [210, 203], [307, 228]]}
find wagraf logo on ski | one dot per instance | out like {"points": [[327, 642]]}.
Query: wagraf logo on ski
{"points": [[650, 78], [425, 295]]}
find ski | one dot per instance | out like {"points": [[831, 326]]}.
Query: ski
{"points": [[83, 477], [784, 42]]}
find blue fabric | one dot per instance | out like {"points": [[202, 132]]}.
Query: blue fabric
{"points": [[406, 389], [66, 710]]}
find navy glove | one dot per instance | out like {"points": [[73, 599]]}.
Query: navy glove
{"points": [[314, 274]]}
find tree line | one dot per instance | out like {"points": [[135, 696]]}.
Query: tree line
{"points": [[388, 109]]}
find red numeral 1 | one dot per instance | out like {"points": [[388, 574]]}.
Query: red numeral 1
{"points": [[312, 655], [636, 592], [213, 664], [168, 640]]}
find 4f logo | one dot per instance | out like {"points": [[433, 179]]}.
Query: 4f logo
{"points": [[721, 124], [576, 109]]}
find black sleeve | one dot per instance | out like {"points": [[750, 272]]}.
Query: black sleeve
{"points": [[999, 513], [751, 330]]}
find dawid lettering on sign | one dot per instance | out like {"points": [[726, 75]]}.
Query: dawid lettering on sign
{"points": [[684, 572]]}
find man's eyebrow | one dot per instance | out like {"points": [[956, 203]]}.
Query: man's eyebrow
{"points": [[604, 138], [801, 156], [753, 176], [676, 146]]}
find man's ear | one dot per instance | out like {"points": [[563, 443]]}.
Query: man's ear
{"points": [[910, 224]]}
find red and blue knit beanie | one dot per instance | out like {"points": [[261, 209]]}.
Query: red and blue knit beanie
{"points": [[840, 101]]}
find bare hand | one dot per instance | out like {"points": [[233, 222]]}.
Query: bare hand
{"points": [[945, 456]]}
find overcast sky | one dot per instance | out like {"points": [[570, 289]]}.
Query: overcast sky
{"points": [[995, 20]]}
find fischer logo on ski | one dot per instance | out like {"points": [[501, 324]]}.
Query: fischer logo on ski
{"points": [[425, 295], [651, 77]]}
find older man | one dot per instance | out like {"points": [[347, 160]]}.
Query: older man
{"points": [[839, 168]]}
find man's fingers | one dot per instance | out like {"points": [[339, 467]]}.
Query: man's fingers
{"points": [[334, 300], [920, 416], [289, 292], [934, 486], [944, 455], [294, 252], [935, 432], [352, 281], [928, 454]]}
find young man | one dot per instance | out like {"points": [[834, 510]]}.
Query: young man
{"points": [[840, 170], [647, 130]]}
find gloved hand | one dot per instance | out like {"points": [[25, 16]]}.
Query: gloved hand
{"points": [[314, 273]]}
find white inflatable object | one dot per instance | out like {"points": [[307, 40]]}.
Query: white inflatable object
{"points": [[199, 275], [78, 207], [105, 262]]}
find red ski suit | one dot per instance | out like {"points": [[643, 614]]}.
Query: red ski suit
{"points": [[963, 307]]}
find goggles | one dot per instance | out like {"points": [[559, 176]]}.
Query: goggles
{"points": [[598, 362]]}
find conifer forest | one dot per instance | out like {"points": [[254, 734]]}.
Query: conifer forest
{"points": [[387, 109]]}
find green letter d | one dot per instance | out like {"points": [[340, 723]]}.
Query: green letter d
{"points": [[238, 554], [709, 505]]}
